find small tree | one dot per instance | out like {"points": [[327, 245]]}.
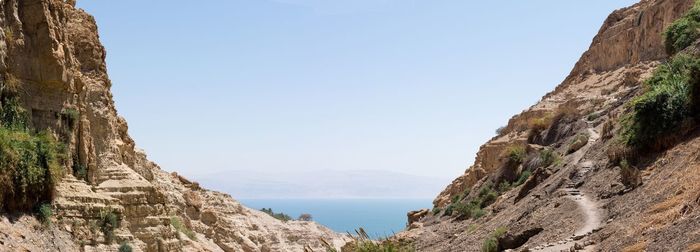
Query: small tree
{"points": [[305, 217]]}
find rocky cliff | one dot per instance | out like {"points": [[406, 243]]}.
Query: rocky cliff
{"points": [[550, 180], [51, 56]]}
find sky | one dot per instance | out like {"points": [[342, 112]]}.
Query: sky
{"points": [[214, 88]]}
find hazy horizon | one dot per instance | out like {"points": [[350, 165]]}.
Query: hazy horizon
{"points": [[297, 86]]}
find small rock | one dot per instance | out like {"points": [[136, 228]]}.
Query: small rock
{"points": [[578, 246], [578, 237]]}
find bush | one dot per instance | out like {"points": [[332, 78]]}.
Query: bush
{"points": [[539, 124], [515, 153], [12, 115], [491, 243], [30, 164], [522, 178], [45, 214], [437, 210], [501, 130], [108, 222], [487, 196], [280, 216], [362, 243], [448, 210], [472, 210], [504, 187], [125, 247], [456, 198], [30, 168], [578, 142], [549, 157], [665, 106], [305, 217], [72, 116], [630, 176], [684, 31], [80, 171], [180, 227]]}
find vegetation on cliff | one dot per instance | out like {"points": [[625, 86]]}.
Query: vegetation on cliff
{"points": [[684, 31], [669, 102], [30, 163]]}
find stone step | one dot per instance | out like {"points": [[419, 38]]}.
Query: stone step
{"points": [[81, 210], [150, 221], [124, 186]]}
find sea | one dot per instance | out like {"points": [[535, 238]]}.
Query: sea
{"points": [[378, 217]]}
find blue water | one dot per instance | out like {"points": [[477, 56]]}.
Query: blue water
{"points": [[379, 217]]}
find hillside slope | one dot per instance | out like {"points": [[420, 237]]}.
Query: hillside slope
{"points": [[53, 65], [550, 180]]}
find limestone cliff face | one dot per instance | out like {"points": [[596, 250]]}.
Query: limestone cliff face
{"points": [[51, 50], [580, 201]]}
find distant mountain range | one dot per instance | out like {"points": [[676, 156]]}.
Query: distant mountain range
{"points": [[322, 184]]}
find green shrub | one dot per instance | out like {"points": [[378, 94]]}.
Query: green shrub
{"points": [[305, 217], [501, 130], [683, 32], [30, 167], [72, 116], [471, 210], [80, 171], [280, 216], [593, 116], [456, 198], [362, 243], [45, 214], [448, 210], [504, 187], [487, 195], [666, 104], [108, 222], [522, 178], [515, 153], [477, 213], [491, 243], [180, 227], [30, 164], [549, 157], [125, 247], [437, 210], [578, 142], [12, 115]]}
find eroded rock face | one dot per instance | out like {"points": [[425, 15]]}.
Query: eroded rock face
{"points": [[580, 202], [627, 43], [51, 50]]}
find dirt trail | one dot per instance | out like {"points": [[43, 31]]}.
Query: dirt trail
{"points": [[588, 206]]}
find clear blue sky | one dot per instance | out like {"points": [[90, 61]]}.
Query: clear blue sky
{"points": [[398, 85]]}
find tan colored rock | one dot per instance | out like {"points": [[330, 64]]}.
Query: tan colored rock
{"points": [[415, 216], [53, 49]]}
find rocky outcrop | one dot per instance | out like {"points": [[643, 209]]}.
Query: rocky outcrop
{"points": [[51, 51]]}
